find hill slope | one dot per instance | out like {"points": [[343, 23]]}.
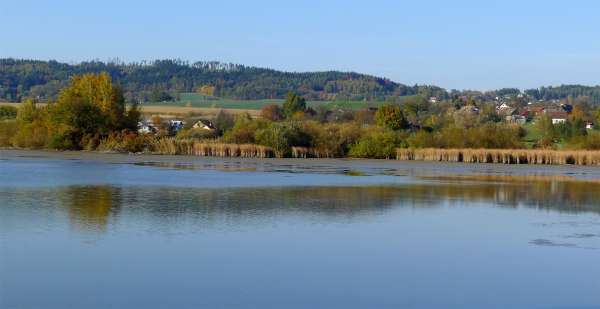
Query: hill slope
{"points": [[164, 80], [156, 81]]}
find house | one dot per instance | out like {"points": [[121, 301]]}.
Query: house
{"points": [[502, 106], [589, 125], [204, 124], [534, 111], [518, 119], [146, 127], [176, 125], [506, 110], [433, 100], [558, 117]]}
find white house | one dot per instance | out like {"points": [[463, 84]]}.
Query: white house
{"points": [[176, 125], [204, 124], [146, 128]]}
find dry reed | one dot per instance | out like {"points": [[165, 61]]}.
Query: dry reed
{"points": [[503, 156], [172, 146]]}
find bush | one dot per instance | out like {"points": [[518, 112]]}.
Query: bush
{"points": [[591, 141], [8, 112], [33, 135], [281, 136], [272, 112], [244, 130], [126, 141], [224, 121], [390, 116], [333, 139], [60, 141], [490, 135], [293, 104], [8, 129], [376, 144]]}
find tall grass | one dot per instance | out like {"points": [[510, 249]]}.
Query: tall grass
{"points": [[172, 146], [503, 156]]}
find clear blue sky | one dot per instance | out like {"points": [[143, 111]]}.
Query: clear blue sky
{"points": [[454, 44]]}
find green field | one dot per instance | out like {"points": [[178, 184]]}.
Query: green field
{"points": [[199, 100]]}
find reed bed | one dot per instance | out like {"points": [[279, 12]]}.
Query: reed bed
{"points": [[310, 152], [173, 146], [503, 156]]}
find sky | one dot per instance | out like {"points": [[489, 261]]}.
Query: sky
{"points": [[459, 44]]}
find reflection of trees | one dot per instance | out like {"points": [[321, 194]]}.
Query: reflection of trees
{"points": [[355, 201], [89, 207]]}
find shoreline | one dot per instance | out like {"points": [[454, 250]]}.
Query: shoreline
{"points": [[350, 166]]}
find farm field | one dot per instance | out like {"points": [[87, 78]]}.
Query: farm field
{"points": [[203, 101]]}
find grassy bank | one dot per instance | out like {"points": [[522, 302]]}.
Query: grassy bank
{"points": [[502, 156]]}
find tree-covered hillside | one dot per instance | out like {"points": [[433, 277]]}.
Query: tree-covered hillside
{"points": [[163, 79]]}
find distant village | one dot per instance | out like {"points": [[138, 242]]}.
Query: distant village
{"points": [[556, 110]]}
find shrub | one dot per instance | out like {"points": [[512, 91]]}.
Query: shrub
{"points": [[224, 121], [33, 135], [491, 135], [591, 141], [8, 129], [8, 112], [272, 112], [281, 136], [332, 139], [293, 103], [244, 130], [60, 141], [376, 144], [390, 116], [126, 141]]}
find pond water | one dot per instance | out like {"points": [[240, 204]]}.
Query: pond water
{"points": [[103, 234]]}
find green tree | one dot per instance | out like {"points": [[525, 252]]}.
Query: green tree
{"points": [[281, 136], [293, 103], [390, 116], [90, 106], [377, 144]]}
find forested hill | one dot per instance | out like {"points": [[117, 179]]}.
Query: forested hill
{"points": [[163, 80], [156, 81]]}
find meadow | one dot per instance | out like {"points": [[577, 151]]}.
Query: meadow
{"points": [[196, 100]]}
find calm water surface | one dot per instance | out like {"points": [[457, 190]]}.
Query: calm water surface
{"points": [[94, 234]]}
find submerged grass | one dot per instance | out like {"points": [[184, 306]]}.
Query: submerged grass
{"points": [[503, 156]]}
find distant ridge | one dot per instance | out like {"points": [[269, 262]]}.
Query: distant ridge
{"points": [[163, 79]]}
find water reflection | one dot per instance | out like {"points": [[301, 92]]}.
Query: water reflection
{"points": [[92, 207], [89, 207]]}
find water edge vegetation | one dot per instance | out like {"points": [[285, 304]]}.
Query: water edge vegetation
{"points": [[91, 114]]}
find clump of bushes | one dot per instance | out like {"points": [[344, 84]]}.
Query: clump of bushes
{"points": [[491, 135], [126, 141], [8, 112], [281, 136], [376, 144], [8, 129]]}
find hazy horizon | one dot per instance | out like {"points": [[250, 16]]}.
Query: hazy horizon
{"points": [[459, 45]]}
